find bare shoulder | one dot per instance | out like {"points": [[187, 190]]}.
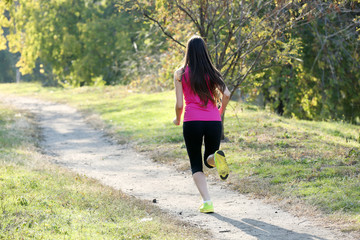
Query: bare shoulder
{"points": [[178, 73]]}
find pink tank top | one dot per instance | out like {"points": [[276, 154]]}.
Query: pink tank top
{"points": [[194, 109]]}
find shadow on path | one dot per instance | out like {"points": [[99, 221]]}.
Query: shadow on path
{"points": [[265, 231]]}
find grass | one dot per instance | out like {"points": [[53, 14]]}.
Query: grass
{"points": [[41, 201], [316, 163], [135, 116]]}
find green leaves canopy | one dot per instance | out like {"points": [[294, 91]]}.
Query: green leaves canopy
{"points": [[79, 42], [262, 46]]}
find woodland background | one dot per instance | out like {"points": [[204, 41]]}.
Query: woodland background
{"points": [[299, 58]]}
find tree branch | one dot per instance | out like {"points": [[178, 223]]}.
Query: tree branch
{"points": [[188, 13], [163, 30], [239, 80]]}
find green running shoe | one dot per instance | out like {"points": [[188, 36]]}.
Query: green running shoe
{"points": [[207, 207], [221, 165]]}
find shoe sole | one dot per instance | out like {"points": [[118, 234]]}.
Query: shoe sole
{"points": [[221, 165], [210, 211]]}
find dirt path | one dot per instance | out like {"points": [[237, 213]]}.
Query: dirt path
{"points": [[72, 143]]}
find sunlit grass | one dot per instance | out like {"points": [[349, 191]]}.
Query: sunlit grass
{"points": [[140, 117], [315, 162]]}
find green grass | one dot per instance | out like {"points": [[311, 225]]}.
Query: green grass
{"points": [[317, 163], [42, 201], [135, 116]]}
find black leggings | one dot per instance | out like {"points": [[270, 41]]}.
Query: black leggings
{"points": [[194, 132]]}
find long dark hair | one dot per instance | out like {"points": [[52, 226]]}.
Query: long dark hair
{"points": [[203, 74]]}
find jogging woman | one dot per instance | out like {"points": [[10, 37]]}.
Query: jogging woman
{"points": [[201, 84]]}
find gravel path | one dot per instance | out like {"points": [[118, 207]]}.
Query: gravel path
{"points": [[72, 143]]}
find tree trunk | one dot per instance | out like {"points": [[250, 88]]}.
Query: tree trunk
{"points": [[18, 75]]}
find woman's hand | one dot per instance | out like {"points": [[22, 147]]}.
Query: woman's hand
{"points": [[225, 100], [221, 110], [176, 122]]}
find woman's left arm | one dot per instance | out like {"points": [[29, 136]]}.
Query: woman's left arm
{"points": [[179, 98]]}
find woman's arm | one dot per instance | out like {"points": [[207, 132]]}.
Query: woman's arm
{"points": [[179, 98], [225, 100]]}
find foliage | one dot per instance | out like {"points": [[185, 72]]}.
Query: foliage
{"points": [[78, 43], [7, 68], [336, 64], [324, 83], [254, 43], [152, 65], [237, 32], [300, 57]]}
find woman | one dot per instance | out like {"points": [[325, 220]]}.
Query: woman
{"points": [[200, 82]]}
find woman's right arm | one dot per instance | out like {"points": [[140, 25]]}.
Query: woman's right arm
{"points": [[179, 98], [225, 100]]}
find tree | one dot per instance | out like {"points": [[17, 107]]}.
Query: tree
{"points": [[324, 82], [244, 37], [249, 38], [336, 64], [7, 70], [77, 42]]}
